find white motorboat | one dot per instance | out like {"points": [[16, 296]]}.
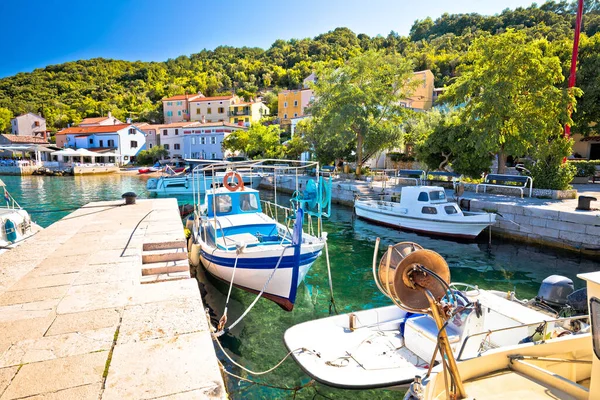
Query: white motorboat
{"points": [[387, 347], [563, 368], [424, 209], [15, 223], [237, 242]]}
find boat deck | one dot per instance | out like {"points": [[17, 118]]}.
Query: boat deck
{"points": [[520, 386], [76, 322]]}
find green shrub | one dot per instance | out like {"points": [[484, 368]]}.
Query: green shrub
{"points": [[400, 157], [584, 168], [555, 177]]}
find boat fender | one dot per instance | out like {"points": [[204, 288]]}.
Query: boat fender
{"points": [[10, 231], [477, 307]]}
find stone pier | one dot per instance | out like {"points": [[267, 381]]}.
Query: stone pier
{"points": [[100, 305]]}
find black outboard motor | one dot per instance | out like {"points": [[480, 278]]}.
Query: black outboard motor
{"points": [[554, 291]]}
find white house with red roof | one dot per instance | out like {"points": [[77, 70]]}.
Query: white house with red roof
{"points": [[124, 139], [205, 141]]}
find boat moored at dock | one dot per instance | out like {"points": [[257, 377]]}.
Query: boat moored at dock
{"points": [[15, 223], [424, 209]]}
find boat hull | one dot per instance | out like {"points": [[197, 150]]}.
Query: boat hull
{"points": [[253, 269], [468, 227]]}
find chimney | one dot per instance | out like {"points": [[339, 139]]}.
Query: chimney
{"points": [[203, 119], [109, 114]]}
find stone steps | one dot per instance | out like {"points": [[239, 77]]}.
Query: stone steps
{"points": [[166, 267], [165, 261], [163, 255]]}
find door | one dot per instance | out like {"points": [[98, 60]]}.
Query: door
{"points": [[595, 151]]}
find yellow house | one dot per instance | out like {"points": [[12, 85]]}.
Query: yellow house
{"points": [[422, 93], [293, 104], [244, 113]]}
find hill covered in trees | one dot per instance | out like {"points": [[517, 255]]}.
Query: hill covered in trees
{"points": [[69, 92]]}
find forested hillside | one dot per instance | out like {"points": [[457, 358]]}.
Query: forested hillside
{"points": [[68, 92]]}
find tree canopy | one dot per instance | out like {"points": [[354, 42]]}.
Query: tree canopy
{"points": [[359, 103], [259, 141], [508, 93], [5, 116]]}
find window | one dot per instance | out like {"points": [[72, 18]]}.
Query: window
{"points": [[202, 140], [439, 195], [284, 116], [169, 113], [295, 103], [91, 141], [178, 103], [423, 196], [248, 202], [247, 120], [223, 204], [150, 145], [179, 112], [111, 143], [101, 144], [213, 156], [131, 131], [235, 120], [166, 146], [133, 144], [595, 317], [177, 131], [213, 140], [295, 115], [169, 103], [221, 110], [193, 140], [195, 155], [208, 110], [429, 210], [450, 210], [197, 111], [164, 132], [285, 104], [176, 146]]}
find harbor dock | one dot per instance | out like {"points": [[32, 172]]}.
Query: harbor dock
{"points": [[100, 305]]}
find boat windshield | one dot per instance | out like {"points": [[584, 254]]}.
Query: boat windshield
{"points": [[223, 204], [437, 195]]}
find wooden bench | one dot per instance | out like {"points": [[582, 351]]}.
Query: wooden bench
{"points": [[518, 182], [416, 175]]}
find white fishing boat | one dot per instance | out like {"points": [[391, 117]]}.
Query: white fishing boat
{"points": [[387, 347], [563, 368], [238, 242], [184, 183], [424, 209], [15, 223]]}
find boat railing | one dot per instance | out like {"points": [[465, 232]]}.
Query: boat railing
{"points": [[8, 201], [478, 343]]}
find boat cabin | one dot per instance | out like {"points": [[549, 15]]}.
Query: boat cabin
{"points": [[427, 200], [221, 202], [239, 219]]}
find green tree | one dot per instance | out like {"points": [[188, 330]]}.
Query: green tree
{"points": [[5, 116], [150, 156], [510, 101], [295, 147], [359, 103], [259, 141]]}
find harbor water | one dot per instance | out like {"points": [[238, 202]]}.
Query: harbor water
{"points": [[257, 342]]}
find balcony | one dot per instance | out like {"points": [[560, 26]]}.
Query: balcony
{"points": [[239, 113]]}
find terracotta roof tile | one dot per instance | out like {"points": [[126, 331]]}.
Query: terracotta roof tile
{"points": [[93, 120], [214, 98], [181, 97], [88, 130], [24, 139]]}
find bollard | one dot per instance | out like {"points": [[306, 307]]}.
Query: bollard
{"points": [[583, 203], [129, 197]]}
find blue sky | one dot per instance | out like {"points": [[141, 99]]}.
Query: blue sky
{"points": [[37, 33]]}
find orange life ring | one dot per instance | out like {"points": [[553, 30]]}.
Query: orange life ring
{"points": [[238, 178]]}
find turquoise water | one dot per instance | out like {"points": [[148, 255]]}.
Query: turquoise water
{"points": [[257, 342]]}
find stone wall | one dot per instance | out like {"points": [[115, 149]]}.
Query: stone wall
{"points": [[24, 170], [572, 230]]}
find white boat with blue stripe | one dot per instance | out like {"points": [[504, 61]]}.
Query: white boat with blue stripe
{"points": [[241, 245]]}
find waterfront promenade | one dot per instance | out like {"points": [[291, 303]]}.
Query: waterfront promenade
{"points": [[76, 322]]}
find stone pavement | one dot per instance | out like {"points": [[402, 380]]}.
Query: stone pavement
{"points": [[75, 322]]}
